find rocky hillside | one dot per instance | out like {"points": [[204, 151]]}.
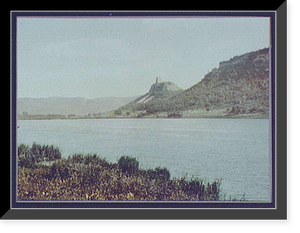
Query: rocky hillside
{"points": [[238, 87], [157, 90], [159, 95], [241, 85]]}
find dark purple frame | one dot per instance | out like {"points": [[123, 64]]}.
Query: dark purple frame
{"points": [[140, 205]]}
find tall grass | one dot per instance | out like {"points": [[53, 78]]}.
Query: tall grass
{"points": [[90, 177]]}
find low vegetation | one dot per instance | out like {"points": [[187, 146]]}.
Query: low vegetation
{"points": [[44, 175]]}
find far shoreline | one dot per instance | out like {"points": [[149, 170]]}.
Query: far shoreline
{"points": [[125, 118], [217, 113]]}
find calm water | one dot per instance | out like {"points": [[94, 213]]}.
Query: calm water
{"points": [[235, 150]]}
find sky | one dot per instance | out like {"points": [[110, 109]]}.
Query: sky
{"points": [[95, 57]]}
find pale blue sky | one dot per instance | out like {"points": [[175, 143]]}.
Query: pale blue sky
{"points": [[120, 57]]}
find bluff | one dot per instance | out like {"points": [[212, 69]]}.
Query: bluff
{"points": [[240, 85], [159, 90], [158, 96]]}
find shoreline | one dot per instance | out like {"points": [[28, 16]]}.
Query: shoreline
{"points": [[91, 177], [221, 113], [241, 116]]}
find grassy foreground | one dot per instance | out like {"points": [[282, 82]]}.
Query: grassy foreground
{"points": [[44, 175]]}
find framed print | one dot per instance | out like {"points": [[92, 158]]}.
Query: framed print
{"points": [[148, 114]]}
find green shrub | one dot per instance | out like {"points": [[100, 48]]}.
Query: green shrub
{"points": [[45, 152], [90, 159], [26, 157], [90, 177], [50, 153], [22, 149], [195, 187], [76, 158], [29, 157], [60, 169], [26, 160], [162, 174], [213, 190], [128, 164]]}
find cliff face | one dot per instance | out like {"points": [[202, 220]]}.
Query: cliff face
{"points": [[155, 100], [159, 90], [163, 87]]}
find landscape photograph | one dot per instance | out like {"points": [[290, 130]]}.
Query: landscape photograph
{"points": [[144, 109]]}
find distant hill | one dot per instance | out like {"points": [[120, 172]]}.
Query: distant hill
{"points": [[65, 106], [238, 87], [159, 94]]}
